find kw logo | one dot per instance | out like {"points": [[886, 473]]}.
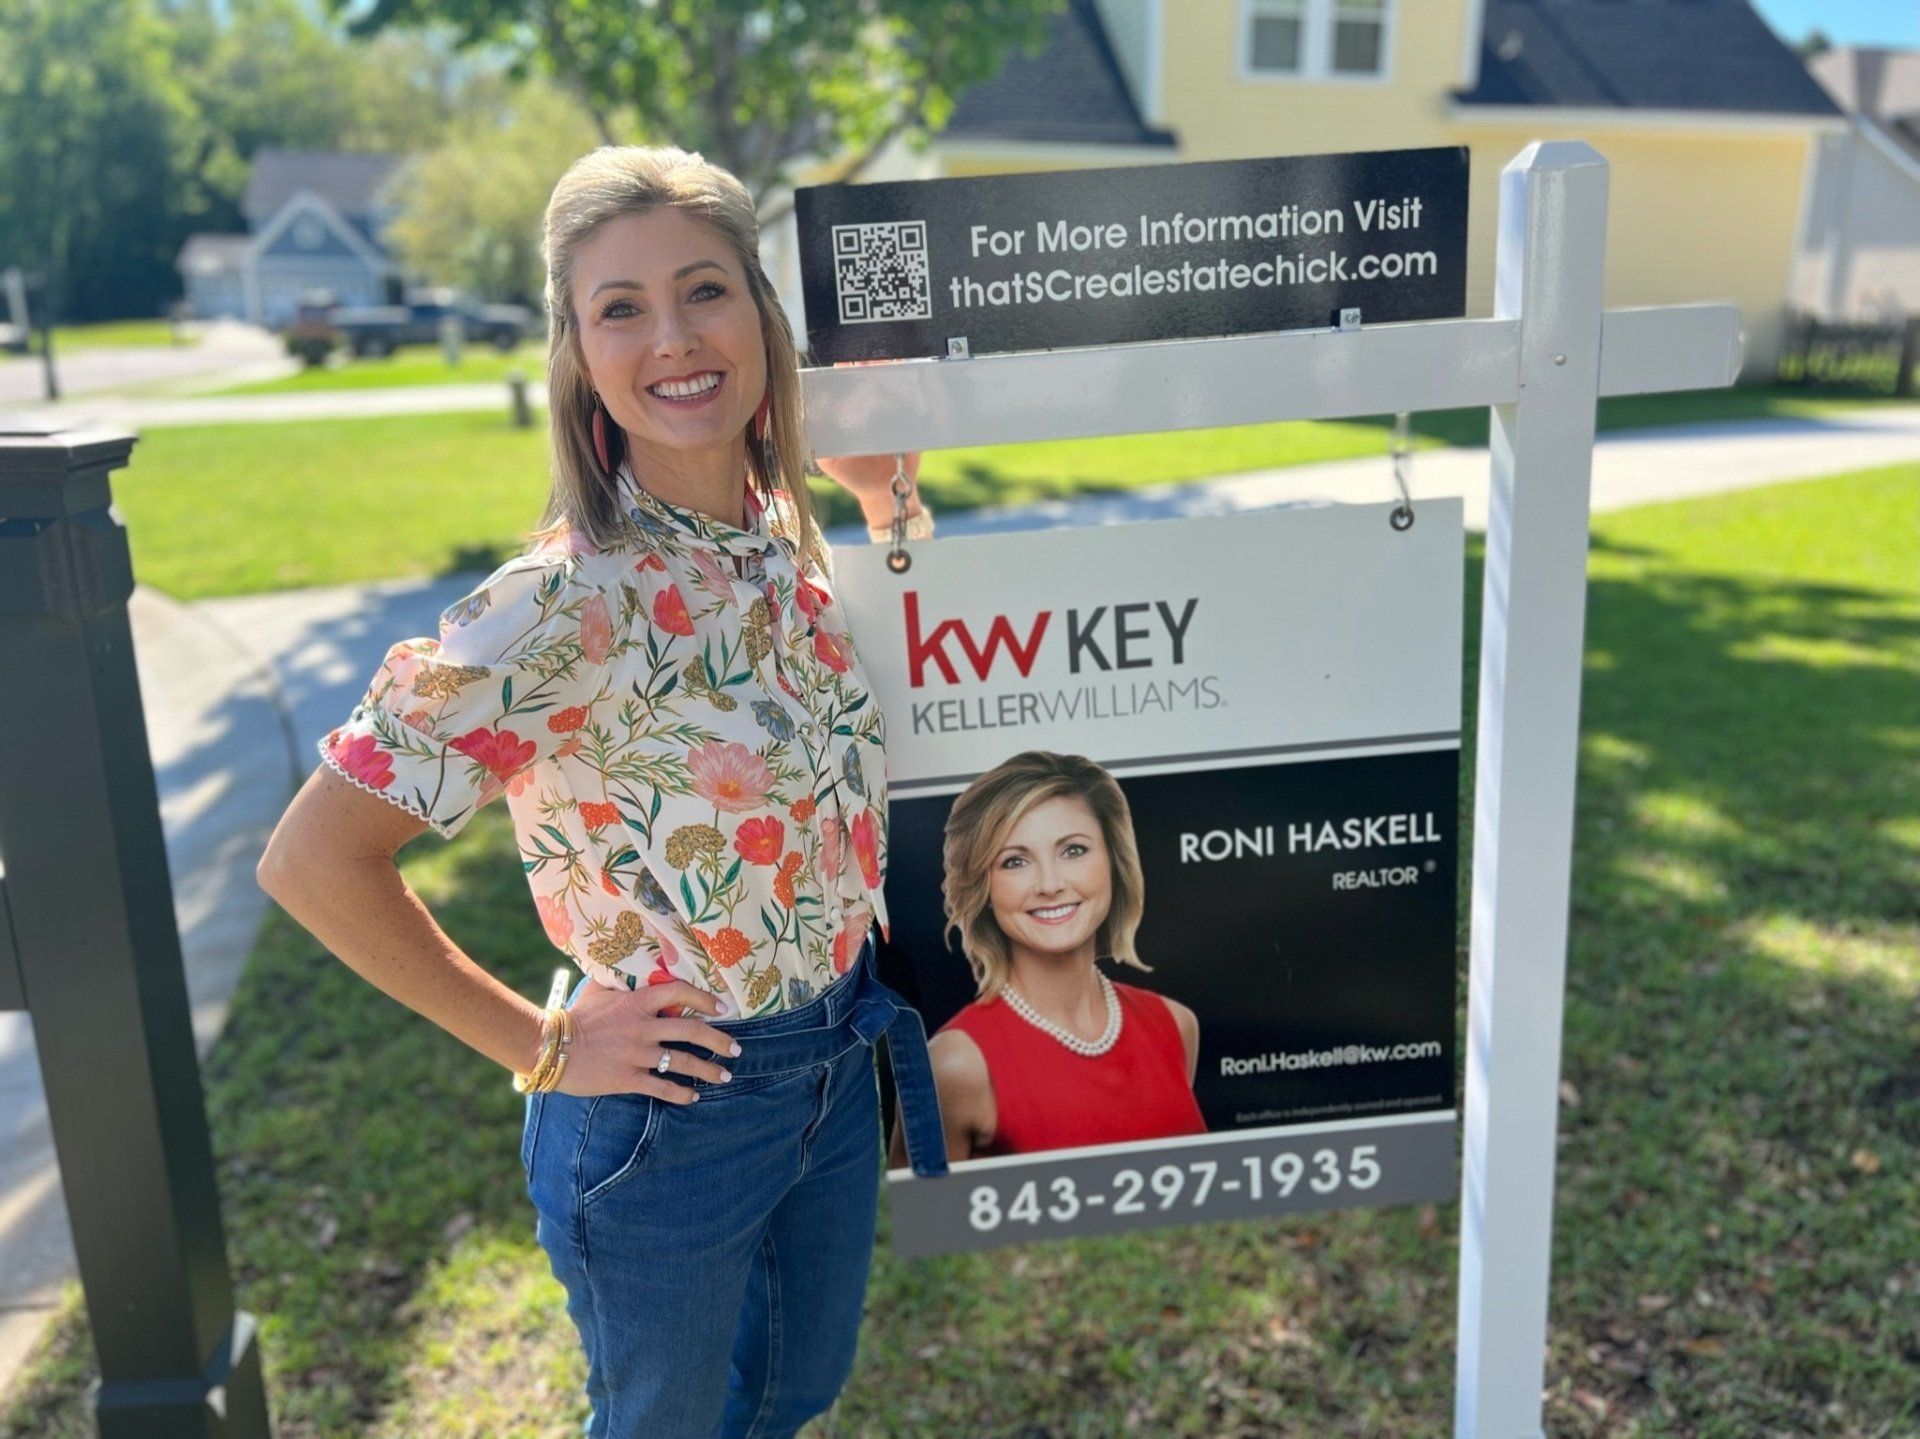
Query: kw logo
{"points": [[1105, 638]]}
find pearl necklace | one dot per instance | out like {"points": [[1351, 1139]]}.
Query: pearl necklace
{"points": [[1089, 1048]]}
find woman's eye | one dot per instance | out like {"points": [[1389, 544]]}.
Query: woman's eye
{"points": [[718, 289], [1010, 861], [618, 310], [1074, 851]]}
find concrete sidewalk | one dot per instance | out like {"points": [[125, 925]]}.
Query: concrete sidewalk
{"points": [[237, 691], [148, 412]]}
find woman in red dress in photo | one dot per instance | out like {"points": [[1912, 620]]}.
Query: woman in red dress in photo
{"points": [[1042, 878]]}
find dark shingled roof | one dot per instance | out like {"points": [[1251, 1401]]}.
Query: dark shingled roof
{"points": [[1640, 55], [346, 182], [1072, 93]]}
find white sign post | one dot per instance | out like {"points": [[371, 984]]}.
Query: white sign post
{"points": [[1539, 364]]}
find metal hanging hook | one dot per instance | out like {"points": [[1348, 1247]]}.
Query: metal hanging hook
{"points": [[1401, 516], [898, 560]]}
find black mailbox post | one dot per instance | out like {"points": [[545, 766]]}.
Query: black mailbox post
{"points": [[89, 945]]}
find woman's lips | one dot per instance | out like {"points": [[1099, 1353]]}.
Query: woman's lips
{"points": [[1067, 912], [694, 402]]}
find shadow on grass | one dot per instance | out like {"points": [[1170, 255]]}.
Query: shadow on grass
{"points": [[1739, 1128], [476, 560], [1734, 1248]]}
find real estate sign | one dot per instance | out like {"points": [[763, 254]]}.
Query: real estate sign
{"points": [[1094, 257], [1223, 756]]}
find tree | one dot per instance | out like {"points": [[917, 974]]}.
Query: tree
{"points": [[94, 126], [1814, 42], [126, 125], [754, 85], [270, 74], [470, 209], [266, 73]]}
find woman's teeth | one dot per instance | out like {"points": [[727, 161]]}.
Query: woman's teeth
{"points": [[1055, 914], [685, 389]]}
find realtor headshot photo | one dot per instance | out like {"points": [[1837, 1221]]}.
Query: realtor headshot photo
{"points": [[1043, 884]]}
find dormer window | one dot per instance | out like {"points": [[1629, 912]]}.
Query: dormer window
{"points": [[1314, 39]]}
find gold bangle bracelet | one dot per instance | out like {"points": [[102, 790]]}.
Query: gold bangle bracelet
{"points": [[556, 1035], [549, 1080], [550, 1030]]}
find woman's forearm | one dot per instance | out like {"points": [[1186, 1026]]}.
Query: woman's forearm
{"points": [[362, 910]]}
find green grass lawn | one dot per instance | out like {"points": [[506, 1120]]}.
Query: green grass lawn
{"points": [[113, 335], [237, 509], [1735, 1252], [409, 366]]}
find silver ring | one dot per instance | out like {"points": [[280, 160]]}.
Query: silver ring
{"points": [[666, 1058]]}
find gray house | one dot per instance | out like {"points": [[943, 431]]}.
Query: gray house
{"points": [[1858, 257], [315, 221]]}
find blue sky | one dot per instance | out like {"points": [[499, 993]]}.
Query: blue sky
{"points": [[1894, 23]]}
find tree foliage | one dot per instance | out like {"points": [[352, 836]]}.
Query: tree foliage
{"points": [[754, 85], [126, 125], [470, 209], [267, 73], [94, 123], [1814, 42]]}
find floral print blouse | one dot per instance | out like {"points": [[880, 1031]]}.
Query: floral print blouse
{"points": [[694, 764]]}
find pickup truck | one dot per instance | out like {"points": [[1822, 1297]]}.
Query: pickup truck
{"points": [[381, 329]]}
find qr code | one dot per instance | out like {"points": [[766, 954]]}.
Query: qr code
{"points": [[880, 272]]}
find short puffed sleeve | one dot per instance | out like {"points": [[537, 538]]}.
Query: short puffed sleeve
{"points": [[446, 722]]}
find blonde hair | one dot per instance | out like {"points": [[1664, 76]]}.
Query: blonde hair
{"points": [[977, 828], [618, 180]]}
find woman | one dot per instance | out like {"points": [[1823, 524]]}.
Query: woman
{"points": [[1042, 878], [664, 690]]}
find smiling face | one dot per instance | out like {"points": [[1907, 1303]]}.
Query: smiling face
{"points": [[1052, 879], [671, 338]]}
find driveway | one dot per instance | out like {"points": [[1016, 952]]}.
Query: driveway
{"points": [[229, 352]]}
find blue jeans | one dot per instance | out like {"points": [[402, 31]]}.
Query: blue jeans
{"points": [[715, 1254]]}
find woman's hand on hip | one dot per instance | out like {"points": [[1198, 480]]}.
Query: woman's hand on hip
{"points": [[619, 1036]]}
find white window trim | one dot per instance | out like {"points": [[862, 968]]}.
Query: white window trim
{"points": [[1471, 38], [1316, 46]]}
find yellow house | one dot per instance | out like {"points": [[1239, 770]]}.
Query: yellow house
{"points": [[1708, 121]]}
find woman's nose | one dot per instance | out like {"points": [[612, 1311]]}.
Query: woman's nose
{"points": [[674, 336]]}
